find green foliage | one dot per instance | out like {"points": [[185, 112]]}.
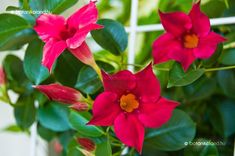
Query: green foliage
{"points": [[112, 37], [54, 116], [173, 135]]}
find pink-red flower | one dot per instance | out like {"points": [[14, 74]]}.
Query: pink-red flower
{"points": [[131, 102], [2, 77], [67, 95], [187, 37], [59, 34]]}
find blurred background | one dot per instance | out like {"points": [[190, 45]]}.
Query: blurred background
{"points": [[19, 144]]}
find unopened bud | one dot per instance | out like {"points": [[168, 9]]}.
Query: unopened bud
{"points": [[86, 143]]}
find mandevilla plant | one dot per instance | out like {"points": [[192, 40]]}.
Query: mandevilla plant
{"points": [[77, 88]]}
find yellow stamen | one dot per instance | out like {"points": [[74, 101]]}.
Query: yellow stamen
{"points": [[129, 103], [190, 41]]}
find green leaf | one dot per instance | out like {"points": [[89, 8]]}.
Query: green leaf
{"points": [[173, 135], [112, 37], [25, 112], [54, 116], [222, 115], [228, 57], [10, 25], [201, 150], [104, 148], [177, 77], [226, 80], [79, 121], [88, 81], [32, 63], [12, 128], [15, 74], [16, 41], [45, 133], [203, 88], [67, 69]]}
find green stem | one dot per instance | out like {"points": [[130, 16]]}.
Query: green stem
{"points": [[229, 45], [219, 68]]}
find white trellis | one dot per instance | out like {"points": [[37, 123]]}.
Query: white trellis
{"points": [[133, 30]]}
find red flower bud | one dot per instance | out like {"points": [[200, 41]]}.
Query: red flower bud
{"points": [[2, 76], [86, 143], [61, 93], [80, 107], [57, 147]]}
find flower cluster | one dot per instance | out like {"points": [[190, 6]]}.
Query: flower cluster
{"points": [[130, 102]]}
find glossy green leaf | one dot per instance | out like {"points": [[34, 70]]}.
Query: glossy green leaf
{"points": [[88, 81], [67, 69], [12, 128], [226, 80], [228, 57], [16, 41], [104, 148], [54, 116], [10, 25], [25, 112], [32, 63], [15, 74], [112, 37], [45, 133], [173, 135], [177, 76], [73, 149], [79, 121], [201, 150], [222, 115], [202, 88]]}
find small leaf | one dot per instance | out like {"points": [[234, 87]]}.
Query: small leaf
{"points": [[104, 148], [177, 77], [79, 121], [13, 128], [173, 135], [32, 63], [10, 24], [54, 116], [25, 112], [112, 37]]}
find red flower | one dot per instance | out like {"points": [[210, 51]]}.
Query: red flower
{"points": [[60, 34], [187, 37], [65, 95], [2, 77], [131, 102]]}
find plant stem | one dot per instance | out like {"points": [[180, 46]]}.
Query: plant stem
{"points": [[219, 68], [230, 45]]}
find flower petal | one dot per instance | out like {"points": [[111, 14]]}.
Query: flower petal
{"points": [[83, 53], [184, 56], [129, 130], [148, 87], [164, 45], [201, 23], [51, 51], [2, 76], [80, 35], [60, 93], [105, 109], [49, 26], [175, 23], [154, 115], [86, 15], [207, 45], [119, 83]]}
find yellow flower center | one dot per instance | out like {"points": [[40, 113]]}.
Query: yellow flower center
{"points": [[190, 41], [128, 103]]}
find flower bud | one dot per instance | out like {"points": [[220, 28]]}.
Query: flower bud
{"points": [[87, 144], [2, 77], [80, 107]]}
